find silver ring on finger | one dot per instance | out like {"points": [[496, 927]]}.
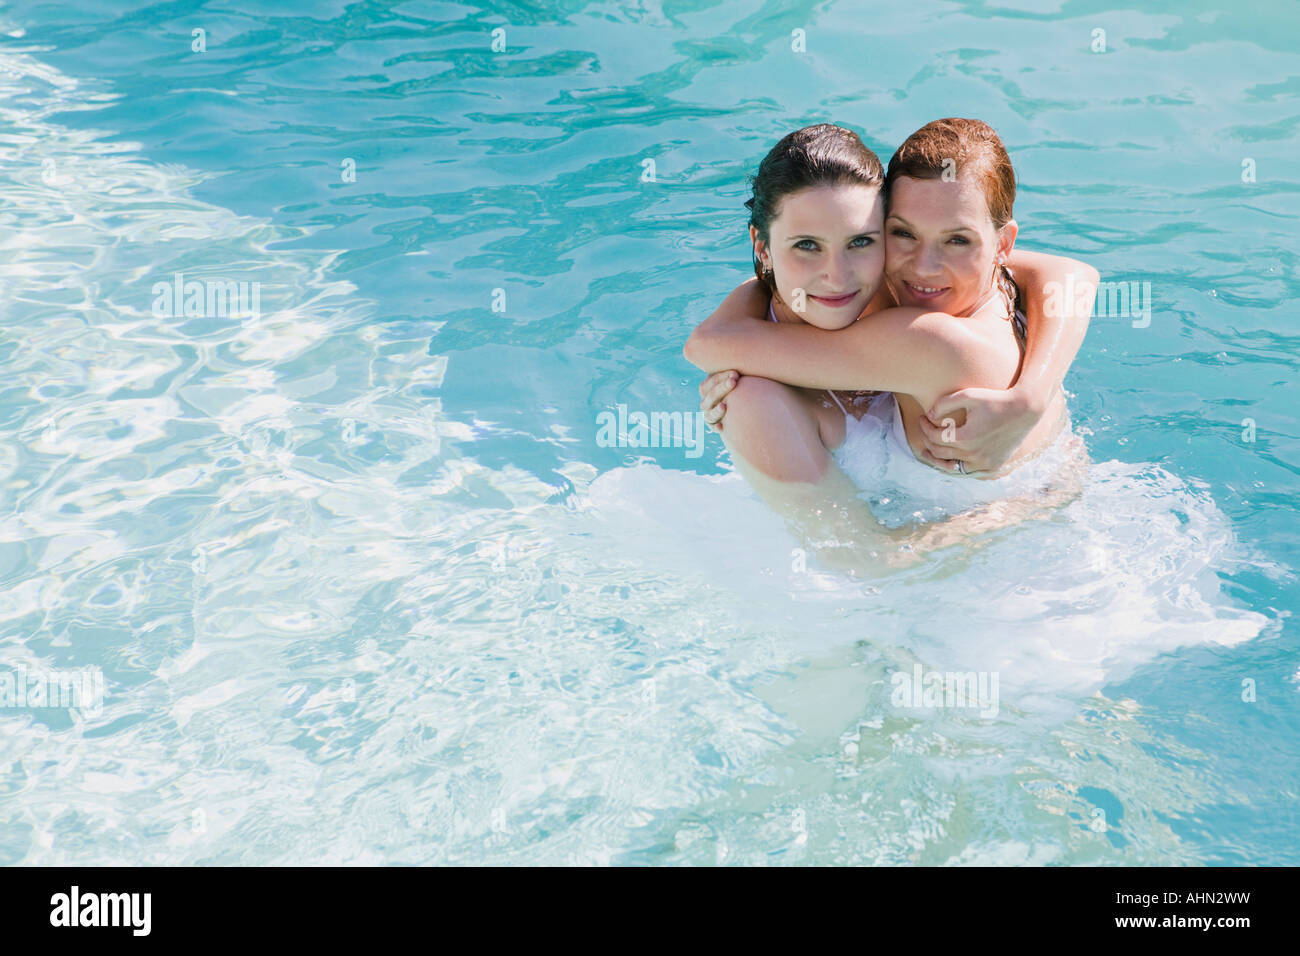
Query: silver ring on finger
{"points": [[961, 467]]}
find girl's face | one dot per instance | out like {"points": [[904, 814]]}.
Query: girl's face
{"points": [[826, 243], [941, 245]]}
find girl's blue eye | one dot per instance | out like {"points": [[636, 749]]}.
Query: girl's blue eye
{"points": [[812, 246], [962, 239]]}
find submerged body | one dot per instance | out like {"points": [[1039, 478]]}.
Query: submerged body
{"points": [[878, 458]]}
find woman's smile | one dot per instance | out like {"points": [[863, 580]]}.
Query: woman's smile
{"points": [[835, 302], [924, 292]]}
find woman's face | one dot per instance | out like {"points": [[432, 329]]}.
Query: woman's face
{"points": [[941, 245], [826, 242]]}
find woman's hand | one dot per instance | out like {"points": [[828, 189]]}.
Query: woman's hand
{"points": [[712, 392], [997, 422]]}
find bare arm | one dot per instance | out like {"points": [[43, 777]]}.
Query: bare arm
{"points": [[747, 300], [898, 350], [1059, 293]]}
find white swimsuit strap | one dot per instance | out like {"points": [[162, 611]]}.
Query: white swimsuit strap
{"points": [[900, 431]]}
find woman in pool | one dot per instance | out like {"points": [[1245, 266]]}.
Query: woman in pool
{"points": [[829, 257]]}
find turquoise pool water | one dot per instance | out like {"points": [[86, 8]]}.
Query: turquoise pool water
{"points": [[363, 585]]}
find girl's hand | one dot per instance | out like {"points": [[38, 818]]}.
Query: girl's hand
{"points": [[712, 392], [997, 421]]}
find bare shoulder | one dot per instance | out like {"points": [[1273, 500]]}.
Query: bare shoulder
{"points": [[749, 289], [918, 324], [990, 354]]}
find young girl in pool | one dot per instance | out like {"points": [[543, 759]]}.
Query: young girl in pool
{"points": [[919, 303]]}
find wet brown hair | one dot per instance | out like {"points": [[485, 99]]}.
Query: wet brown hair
{"points": [[821, 155]]}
